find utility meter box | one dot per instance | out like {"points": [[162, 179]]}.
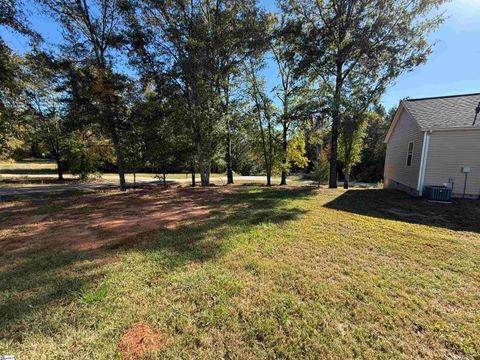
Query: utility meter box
{"points": [[466, 169]]}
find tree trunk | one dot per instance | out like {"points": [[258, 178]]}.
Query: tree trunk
{"points": [[332, 181], [283, 181], [134, 179], [83, 170], [229, 155], [267, 153], [111, 123], [204, 166], [346, 177], [204, 172], [59, 167], [116, 145], [270, 153], [192, 170], [120, 162]]}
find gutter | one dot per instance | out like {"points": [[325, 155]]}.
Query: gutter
{"points": [[423, 162], [454, 128]]}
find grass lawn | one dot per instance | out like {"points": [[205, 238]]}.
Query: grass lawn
{"points": [[28, 167], [240, 272], [35, 170]]}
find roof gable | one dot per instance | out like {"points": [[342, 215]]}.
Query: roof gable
{"points": [[440, 113], [443, 112], [396, 118]]}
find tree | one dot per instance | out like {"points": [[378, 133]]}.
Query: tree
{"points": [[316, 134], [294, 92], [199, 44], [263, 112], [13, 17], [92, 34], [43, 105], [352, 129], [85, 151], [372, 157], [240, 35], [10, 88], [296, 151], [350, 45]]}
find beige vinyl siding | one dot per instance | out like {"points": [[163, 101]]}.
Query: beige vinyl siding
{"points": [[448, 152], [397, 174]]}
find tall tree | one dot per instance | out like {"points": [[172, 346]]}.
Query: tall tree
{"points": [[13, 17], [199, 44], [93, 33], [43, 104], [352, 129], [362, 44], [372, 156], [264, 113], [10, 89], [293, 92], [241, 32]]}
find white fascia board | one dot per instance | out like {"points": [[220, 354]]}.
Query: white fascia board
{"points": [[454, 128], [396, 117], [423, 162]]}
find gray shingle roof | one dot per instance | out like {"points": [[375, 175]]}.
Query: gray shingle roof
{"points": [[444, 112]]}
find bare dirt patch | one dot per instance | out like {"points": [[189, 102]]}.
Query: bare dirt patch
{"points": [[101, 220], [138, 340]]}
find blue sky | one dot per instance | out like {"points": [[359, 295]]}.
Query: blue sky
{"points": [[453, 68]]}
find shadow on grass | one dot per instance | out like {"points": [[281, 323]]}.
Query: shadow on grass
{"points": [[43, 197], [461, 215], [35, 181], [31, 281], [20, 171]]}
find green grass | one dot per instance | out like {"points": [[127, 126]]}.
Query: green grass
{"points": [[273, 273], [28, 167], [44, 167], [39, 167]]}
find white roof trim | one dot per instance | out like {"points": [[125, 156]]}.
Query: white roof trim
{"points": [[453, 128], [394, 122]]}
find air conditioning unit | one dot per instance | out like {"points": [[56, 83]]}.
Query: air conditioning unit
{"points": [[438, 193]]}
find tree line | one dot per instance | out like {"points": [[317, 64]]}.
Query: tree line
{"points": [[176, 84]]}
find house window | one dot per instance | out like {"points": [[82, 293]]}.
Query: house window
{"points": [[410, 153]]}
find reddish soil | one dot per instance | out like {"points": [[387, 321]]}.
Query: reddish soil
{"points": [[139, 339], [101, 220]]}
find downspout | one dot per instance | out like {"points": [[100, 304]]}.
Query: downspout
{"points": [[423, 162]]}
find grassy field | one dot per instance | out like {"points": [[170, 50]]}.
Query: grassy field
{"points": [[49, 167], [37, 172], [243, 272], [37, 168], [28, 167]]}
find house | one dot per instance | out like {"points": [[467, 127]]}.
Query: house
{"points": [[434, 141]]}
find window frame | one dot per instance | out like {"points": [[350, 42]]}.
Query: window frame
{"points": [[410, 153]]}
